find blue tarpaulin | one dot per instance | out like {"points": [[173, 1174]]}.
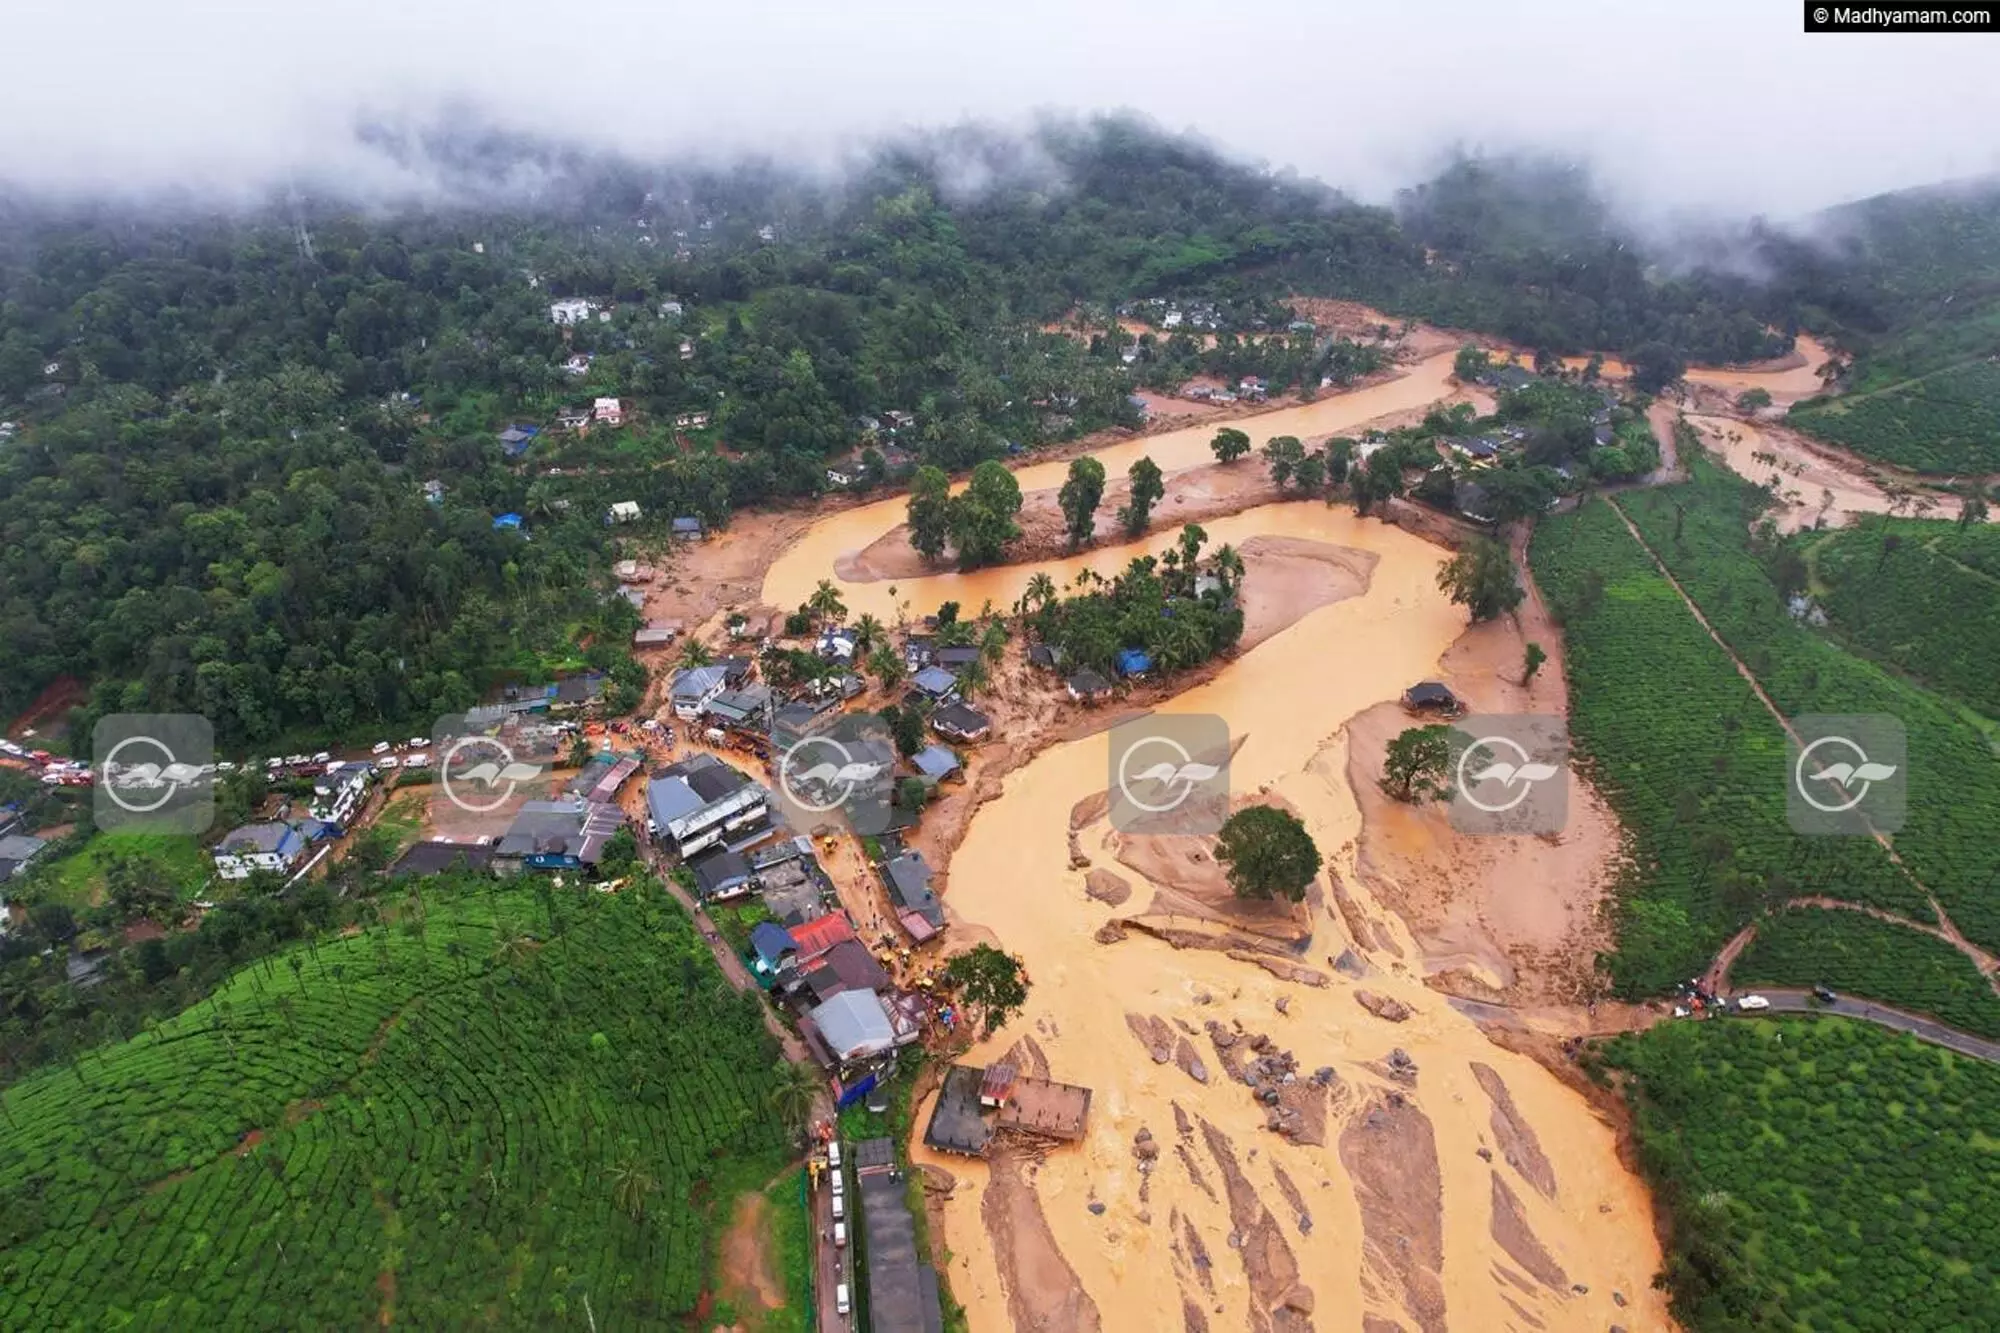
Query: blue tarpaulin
{"points": [[854, 1093], [1133, 662], [507, 521]]}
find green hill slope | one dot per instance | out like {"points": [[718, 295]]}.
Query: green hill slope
{"points": [[1923, 597], [501, 1103]]}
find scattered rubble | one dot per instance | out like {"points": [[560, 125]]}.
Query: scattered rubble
{"points": [[1111, 932]]}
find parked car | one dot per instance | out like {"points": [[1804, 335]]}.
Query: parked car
{"points": [[419, 742], [381, 747], [324, 756], [417, 761], [841, 1303], [274, 764], [387, 762], [1824, 994], [839, 1208], [839, 1235], [833, 1154], [1751, 1004]]}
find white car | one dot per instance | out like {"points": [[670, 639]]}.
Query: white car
{"points": [[8, 747], [225, 765], [381, 747], [419, 742], [324, 756], [839, 1235], [1753, 1003], [417, 761], [294, 760], [387, 762], [274, 764], [841, 1304]]}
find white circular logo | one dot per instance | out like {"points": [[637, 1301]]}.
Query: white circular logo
{"points": [[1862, 774], [1168, 780], [820, 774], [483, 784], [1518, 775], [148, 775]]}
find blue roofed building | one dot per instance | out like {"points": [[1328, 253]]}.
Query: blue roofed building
{"points": [[1134, 662], [514, 440]]}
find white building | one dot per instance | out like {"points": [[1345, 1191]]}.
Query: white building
{"points": [[624, 511], [609, 411], [575, 310], [268, 846]]}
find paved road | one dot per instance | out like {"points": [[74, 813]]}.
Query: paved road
{"points": [[1924, 1029]]}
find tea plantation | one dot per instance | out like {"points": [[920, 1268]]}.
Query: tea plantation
{"points": [[493, 1107], [1822, 1174]]}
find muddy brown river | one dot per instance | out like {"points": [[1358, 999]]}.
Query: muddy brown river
{"points": [[1479, 1193]]}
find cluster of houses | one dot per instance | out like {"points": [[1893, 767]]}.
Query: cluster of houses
{"points": [[1249, 389]]}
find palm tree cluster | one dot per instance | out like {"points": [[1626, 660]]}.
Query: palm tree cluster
{"points": [[1153, 605]]}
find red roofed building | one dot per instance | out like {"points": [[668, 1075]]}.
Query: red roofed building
{"points": [[817, 936]]}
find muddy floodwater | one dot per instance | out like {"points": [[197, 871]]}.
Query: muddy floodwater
{"points": [[1380, 1172], [792, 577], [1302, 1137]]}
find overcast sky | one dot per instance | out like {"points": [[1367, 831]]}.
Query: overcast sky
{"points": [[1707, 106]]}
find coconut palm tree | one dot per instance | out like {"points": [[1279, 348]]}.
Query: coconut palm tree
{"points": [[973, 677], [795, 1094], [887, 664], [826, 603], [694, 653], [630, 1184], [1227, 563], [867, 630], [993, 643]]}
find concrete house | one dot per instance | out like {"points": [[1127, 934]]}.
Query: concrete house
{"points": [[270, 845], [701, 802], [574, 310], [694, 688], [608, 412], [623, 511]]}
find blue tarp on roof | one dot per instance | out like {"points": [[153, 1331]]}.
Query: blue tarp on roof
{"points": [[509, 521], [514, 440], [1133, 662], [771, 942]]}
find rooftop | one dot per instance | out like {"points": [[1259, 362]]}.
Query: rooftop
{"points": [[436, 857]]}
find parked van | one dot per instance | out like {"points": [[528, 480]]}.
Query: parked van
{"points": [[1753, 1003], [839, 1208], [839, 1235], [841, 1305], [833, 1154], [839, 1182]]}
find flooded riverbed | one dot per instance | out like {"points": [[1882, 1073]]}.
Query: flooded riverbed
{"points": [[791, 579], [1288, 699], [1468, 1190]]}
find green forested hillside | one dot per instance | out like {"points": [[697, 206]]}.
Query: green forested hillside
{"points": [[205, 404], [494, 1104]]}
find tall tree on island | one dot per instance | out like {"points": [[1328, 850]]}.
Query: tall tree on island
{"points": [[930, 511], [1268, 853], [1148, 485], [1080, 495]]}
